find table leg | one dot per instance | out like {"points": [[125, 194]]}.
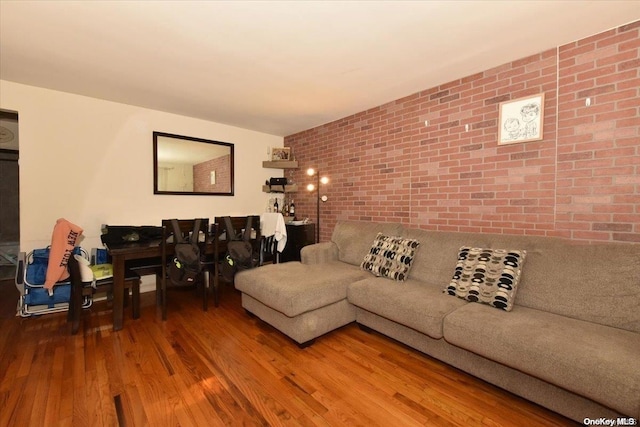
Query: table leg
{"points": [[214, 283], [118, 292]]}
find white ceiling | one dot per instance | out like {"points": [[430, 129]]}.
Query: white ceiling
{"points": [[279, 67]]}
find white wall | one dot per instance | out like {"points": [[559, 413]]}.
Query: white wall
{"points": [[175, 176], [90, 161]]}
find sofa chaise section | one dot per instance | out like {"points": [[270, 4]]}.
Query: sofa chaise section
{"points": [[302, 301], [307, 299]]}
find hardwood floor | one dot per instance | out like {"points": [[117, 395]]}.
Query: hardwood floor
{"points": [[223, 367]]}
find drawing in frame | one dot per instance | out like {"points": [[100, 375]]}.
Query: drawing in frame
{"points": [[280, 154], [521, 120]]}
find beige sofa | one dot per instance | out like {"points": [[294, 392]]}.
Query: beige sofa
{"points": [[571, 342]]}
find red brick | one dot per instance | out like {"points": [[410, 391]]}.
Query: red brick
{"points": [[633, 44], [626, 237]]}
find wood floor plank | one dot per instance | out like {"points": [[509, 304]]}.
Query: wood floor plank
{"points": [[133, 407], [108, 412], [27, 350], [10, 401], [225, 368], [38, 393], [65, 411], [54, 397]]}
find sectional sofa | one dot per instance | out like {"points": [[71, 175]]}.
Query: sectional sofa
{"points": [[559, 325]]}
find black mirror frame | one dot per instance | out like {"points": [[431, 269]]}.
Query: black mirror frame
{"points": [[189, 138]]}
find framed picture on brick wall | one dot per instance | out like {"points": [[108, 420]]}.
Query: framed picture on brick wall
{"points": [[278, 154], [521, 120]]}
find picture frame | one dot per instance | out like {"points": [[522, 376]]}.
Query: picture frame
{"points": [[280, 154], [521, 120]]}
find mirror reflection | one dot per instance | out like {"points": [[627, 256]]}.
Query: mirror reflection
{"points": [[186, 165]]}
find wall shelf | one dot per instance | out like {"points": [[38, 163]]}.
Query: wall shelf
{"points": [[278, 188], [280, 164]]}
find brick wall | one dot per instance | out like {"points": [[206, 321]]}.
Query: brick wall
{"points": [[598, 178], [202, 176], [581, 181]]}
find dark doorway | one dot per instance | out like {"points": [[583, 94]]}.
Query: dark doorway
{"points": [[9, 193]]}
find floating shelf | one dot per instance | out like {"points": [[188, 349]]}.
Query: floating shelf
{"points": [[278, 188], [280, 164]]}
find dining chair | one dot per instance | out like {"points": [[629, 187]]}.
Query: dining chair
{"points": [[220, 239], [186, 227], [80, 289]]}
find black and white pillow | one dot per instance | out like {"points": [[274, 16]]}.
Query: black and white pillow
{"points": [[488, 276], [390, 257]]}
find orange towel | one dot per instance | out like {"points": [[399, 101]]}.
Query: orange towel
{"points": [[63, 241]]}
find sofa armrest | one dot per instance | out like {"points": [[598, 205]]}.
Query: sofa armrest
{"points": [[319, 253]]}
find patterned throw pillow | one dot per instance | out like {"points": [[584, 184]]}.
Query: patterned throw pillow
{"points": [[390, 257], [488, 276]]}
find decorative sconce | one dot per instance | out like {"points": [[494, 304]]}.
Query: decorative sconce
{"points": [[311, 187]]}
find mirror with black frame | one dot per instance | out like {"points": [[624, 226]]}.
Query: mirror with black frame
{"points": [[187, 165]]}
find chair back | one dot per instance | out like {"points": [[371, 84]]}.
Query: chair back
{"points": [[238, 223], [186, 227]]}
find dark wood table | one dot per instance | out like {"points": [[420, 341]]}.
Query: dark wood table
{"points": [[122, 253]]}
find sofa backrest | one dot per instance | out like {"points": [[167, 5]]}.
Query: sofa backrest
{"points": [[354, 238], [598, 283], [437, 254]]}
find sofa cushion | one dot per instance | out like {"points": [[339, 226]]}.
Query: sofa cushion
{"points": [[412, 303], [353, 238], [390, 257], [567, 352], [488, 276], [293, 288]]}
